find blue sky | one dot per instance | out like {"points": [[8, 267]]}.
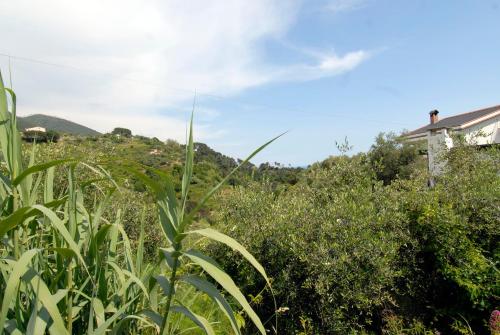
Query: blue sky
{"points": [[324, 70]]}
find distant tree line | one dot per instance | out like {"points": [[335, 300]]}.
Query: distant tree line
{"points": [[39, 136]]}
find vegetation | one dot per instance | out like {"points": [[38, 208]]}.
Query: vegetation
{"points": [[348, 254], [69, 268], [117, 234], [56, 124], [391, 157], [122, 132], [39, 137]]}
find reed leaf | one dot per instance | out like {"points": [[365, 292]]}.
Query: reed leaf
{"points": [[197, 319], [210, 289], [233, 244], [211, 267]]}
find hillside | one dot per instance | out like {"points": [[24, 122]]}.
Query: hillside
{"points": [[23, 123], [55, 123], [209, 168]]}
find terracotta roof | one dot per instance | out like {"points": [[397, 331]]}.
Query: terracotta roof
{"points": [[456, 120]]}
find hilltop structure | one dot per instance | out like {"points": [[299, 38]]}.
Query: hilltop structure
{"points": [[479, 127], [39, 134], [36, 129]]}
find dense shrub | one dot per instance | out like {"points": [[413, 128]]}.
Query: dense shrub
{"points": [[348, 254], [40, 136], [122, 132], [330, 244], [392, 157], [455, 225]]}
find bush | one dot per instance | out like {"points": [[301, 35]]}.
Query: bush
{"points": [[349, 255], [122, 132], [330, 243], [41, 137], [455, 225], [53, 136], [392, 157]]}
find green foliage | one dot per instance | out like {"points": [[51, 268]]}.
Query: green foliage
{"points": [[455, 225], [68, 266], [53, 136], [278, 175], [330, 244], [347, 254], [122, 132], [41, 137], [392, 157]]}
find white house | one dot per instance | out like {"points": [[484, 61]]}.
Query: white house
{"points": [[480, 127], [37, 129]]}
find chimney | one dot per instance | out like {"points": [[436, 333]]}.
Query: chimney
{"points": [[434, 116]]}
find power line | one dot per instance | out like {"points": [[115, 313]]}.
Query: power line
{"points": [[208, 95]]}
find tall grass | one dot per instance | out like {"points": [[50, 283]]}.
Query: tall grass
{"points": [[67, 268]]}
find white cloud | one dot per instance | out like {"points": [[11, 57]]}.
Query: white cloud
{"points": [[337, 6], [133, 56], [326, 65]]}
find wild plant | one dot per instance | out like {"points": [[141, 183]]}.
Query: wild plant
{"points": [[68, 268], [176, 221]]}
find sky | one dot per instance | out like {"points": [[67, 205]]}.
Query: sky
{"points": [[323, 70]]}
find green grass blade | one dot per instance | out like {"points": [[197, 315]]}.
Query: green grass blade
{"points": [[113, 244], [48, 194], [197, 319], [98, 308], [29, 179], [139, 257], [127, 248], [235, 245], [214, 270], [19, 269], [166, 221], [134, 279], [153, 316], [188, 167], [60, 227], [120, 313], [49, 303], [39, 168], [164, 283], [64, 252], [167, 192], [210, 289], [15, 219], [98, 239], [38, 321], [22, 214], [34, 191], [119, 273], [168, 256]]}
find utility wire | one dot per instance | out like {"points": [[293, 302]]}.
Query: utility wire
{"points": [[297, 111]]}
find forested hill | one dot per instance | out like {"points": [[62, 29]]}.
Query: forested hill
{"points": [[54, 123]]}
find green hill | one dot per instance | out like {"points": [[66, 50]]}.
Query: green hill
{"points": [[23, 123], [55, 123]]}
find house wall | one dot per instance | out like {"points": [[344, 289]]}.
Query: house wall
{"points": [[486, 132]]}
